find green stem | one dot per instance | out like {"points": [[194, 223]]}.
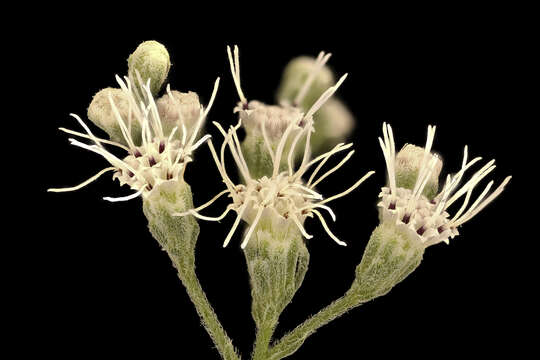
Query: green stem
{"points": [[178, 237], [186, 273], [294, 339], [262, 340]]}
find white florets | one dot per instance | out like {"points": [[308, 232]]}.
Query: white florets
{"points": [[428, 221], [284, 196], [160, 157]]}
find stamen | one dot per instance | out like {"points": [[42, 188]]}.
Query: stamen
{"points": [[324, 97], [129, 197], [83, 184], [300, 227], [114, 143], [357, 184], [252, 227], [235, 71], [327, 229], [322, 59], [235, 224], [335, 168]]}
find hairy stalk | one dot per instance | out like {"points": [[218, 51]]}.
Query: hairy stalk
{"points": [[390, 256], [262, 340], [291, 342], [178, 237]]}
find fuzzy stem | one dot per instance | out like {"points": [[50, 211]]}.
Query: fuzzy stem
{"points": [[291, 342], [178, 237], [262, 340], [390, 256], [186, 273]]}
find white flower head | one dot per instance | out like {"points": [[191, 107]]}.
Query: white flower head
{"points": [[424, 219], [271, 121], [159, 158], [283, 197]]}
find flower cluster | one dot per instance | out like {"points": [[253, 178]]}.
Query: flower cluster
{"points": [[418, 216], [161, 156], [283, 196]]}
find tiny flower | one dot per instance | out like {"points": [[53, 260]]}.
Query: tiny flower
{"points": [[282, 198], [159, 158], [420, 218], [151, 61]]}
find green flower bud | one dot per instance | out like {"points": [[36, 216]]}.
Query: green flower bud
{"points": [[176, 108], [333, 124], [408, 163], [294, 77], [277, 260], [151, 60], [100, 112], [390, 256]]}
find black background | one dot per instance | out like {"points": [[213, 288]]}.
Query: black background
{"points": [[100, 284]]}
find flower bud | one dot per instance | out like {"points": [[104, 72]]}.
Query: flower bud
{"points": [[100, 112], [151, 60], [176, 108], [333, 124], [408, 162], [294, 77], [277, 260], [390, 256]]}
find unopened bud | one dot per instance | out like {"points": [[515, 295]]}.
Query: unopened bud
{"points": [[151, 61], [176, 108], [333, 124], [101, 113], [409, 160], [294, 77]]}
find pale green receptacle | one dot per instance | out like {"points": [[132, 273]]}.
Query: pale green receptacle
{"points": [[389, 257], [151, 60]]}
